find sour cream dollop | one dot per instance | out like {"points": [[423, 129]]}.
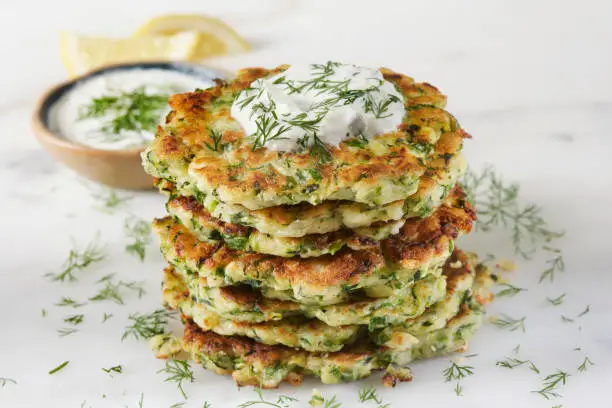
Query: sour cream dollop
{"points": [[320, 102], [68, 116]]}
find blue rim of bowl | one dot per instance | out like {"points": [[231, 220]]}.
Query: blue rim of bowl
{"points": [[49, 98]]}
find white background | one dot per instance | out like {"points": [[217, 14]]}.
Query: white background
{"points": [[530, 80]]}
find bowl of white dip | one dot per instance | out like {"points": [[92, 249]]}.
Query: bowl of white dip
{"points": [[99, 123]]}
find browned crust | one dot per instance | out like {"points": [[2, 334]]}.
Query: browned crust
{"points": [[187, 126], [418, 241]]}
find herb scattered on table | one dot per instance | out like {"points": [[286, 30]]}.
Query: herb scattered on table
{"points": [[79, 260], [109, 201], [551, 383], [506, 322], [140, 232], [59, 367], [511, 362], [457, 372], [178, 371], [509, 290], [74, 319], [66, 331], [118, 369], [370, 394], [585, 365], [4, 381], [556, 301], [458, 390], [585, 311], [112, 290], [145, 326], [283, 401], [106, 317], [69, 302]]}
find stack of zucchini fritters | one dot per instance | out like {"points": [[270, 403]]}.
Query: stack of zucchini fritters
{"points": [[284, 264]]}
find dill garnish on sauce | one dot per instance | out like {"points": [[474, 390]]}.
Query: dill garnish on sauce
{"points": [[120, 111]]}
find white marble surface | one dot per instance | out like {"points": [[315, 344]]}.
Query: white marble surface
{"points": [[530, 80]]}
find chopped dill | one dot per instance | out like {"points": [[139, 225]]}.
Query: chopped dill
{"points": [[112, 290], [69, 302], [140, 232], [551, 383], [509, 290], [79, 260], [506, 322], [457, 372], [283, 401], [585, 365], [134, 111], [145, 326], [74, 319], [178, 371], [59, 367], [556, 301], [67, 331], [511, 362]]}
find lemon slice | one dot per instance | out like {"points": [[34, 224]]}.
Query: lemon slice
{"points": [[215, 37], [82, 53]]}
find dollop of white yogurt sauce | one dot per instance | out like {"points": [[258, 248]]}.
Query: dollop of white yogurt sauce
{"points": [[66, 115], [321, 102]]}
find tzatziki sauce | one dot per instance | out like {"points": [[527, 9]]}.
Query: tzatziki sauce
{"points": [[119, 109], [318, 103]]}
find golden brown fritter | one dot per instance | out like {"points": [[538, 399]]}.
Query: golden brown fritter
{"points": [[382, 170]]}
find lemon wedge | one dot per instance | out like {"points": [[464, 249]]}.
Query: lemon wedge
{"points": [[215, 37], [81, 54]]}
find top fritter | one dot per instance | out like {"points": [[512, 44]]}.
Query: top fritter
{"points": [[291, 135]]}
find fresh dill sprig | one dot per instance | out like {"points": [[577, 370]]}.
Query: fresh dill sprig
{"points": [[66, 331], [108, 200], [585, 311], [283, 401], [106, 317], [118, 369], [216, 137], [140, 232], [178, 404], [145, 326], [379, 108], [457, 372], [4, 381], [458, 390], [268, 129], [556, 301], [511, 362], [207, 405], [370, 394], [59, 367], [69, 302], [178, 371], [555, 264], [509, 290], [497, 205], [585, 365], [506, 322], [79, 260], [566, 319], [319, 150], [134, 111], [517, 349], [112, 290], [551, 383], [74, 319]]}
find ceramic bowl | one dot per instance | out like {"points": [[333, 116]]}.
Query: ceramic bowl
{"points": [[114, 168]]}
